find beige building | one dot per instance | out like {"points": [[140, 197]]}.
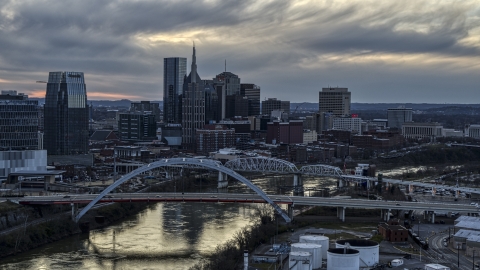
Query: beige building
{"points": [[334, 100]]}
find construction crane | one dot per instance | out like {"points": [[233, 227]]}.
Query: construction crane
{"points": [[296, 108]]}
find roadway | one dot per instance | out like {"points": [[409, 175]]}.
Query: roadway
{"points": [[249, 198]]}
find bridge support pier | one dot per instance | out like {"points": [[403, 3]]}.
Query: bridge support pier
{"points": [[431, 216], [341, 213], [222, 180], [290, 211], [386, 216], [297, 184], [340, 183], [74, 210]]}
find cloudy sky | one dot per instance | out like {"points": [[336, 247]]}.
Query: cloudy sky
{"points": [[383, 51]]}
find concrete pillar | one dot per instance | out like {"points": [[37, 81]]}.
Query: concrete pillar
{"points": [[245, 260], [290, 211], [410, 189], [433, 217], [222, 180], [341, 213], [388, 215], [340, 183], [74, 210], [381, 213]]}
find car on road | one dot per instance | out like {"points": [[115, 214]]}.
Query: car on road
{"points": [[397, 204], [109, 196], [158, 196], [66, 196], [213, 196]]}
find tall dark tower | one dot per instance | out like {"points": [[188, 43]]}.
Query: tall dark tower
{"points": [[174, 71], [66, 114], [193, 106]]}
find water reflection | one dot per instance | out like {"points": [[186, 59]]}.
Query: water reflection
{"points": [[167, 236]]}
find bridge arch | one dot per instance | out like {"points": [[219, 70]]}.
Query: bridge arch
{"points": [[261, 164], [206, 163]]}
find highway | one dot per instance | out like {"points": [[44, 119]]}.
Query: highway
{"points": [[248, 198]]}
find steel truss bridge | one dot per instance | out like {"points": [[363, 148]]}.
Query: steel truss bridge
{"points": [[272, 165]]}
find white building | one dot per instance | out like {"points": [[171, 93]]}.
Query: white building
{"points": [[473, 131], [450, 132], [351, 124], [309, 136], [27, 160], [413, 130]]}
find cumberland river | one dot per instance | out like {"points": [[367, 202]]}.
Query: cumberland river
{"points": [[165, 236]]}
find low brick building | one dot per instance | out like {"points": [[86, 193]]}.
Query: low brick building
{"points": [[393, 233]]}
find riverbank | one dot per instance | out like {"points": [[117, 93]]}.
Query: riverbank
{"points": [[57, 227]]}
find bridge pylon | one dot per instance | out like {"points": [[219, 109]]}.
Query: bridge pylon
{"points": [[297, 184], [222, 180]]}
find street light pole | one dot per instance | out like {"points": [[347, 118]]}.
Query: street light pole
{"points": [[458, 256], [473, 260]]}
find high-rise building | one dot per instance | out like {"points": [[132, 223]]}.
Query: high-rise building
{"points": [[334, 100], [211, 104], [397, 116], [273, 104], [66, 114], [193, 106], [174, 72], [252, 92], [18, 121], [137, 126], [231, 82]]}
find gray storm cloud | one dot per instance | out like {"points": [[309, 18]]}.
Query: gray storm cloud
{"points": [[378, 49]]}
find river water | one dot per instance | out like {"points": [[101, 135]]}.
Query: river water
{"points": [[165, 236]]}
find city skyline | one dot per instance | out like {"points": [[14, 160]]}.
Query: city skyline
{"points": [[418, 52]]}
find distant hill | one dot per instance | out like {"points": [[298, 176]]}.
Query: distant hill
{"points": [[310, 106], [105, 103]]}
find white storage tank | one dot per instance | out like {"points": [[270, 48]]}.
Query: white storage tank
{"points": [[300, 260], [314, 249], [319, 240], [369, 250], [343, 259]]}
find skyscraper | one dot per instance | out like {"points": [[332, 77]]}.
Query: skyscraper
{"points": [[334, 100], [174, 71], [231, 81], [66, 114], [193, 106], [18, 121], [252, 92]]}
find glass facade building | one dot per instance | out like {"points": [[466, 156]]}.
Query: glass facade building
{"points": [[174, 72], [66, 114], [18, 122]]}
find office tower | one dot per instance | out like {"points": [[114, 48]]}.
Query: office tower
{"points": [[66, 114], [334, 100], [146, 107], [174, 72], [211, 104], [193, 106], [397, 116], [273, 104], [137, 126], [236, 105], [231, 82], [18, 121], [252, 92]]}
